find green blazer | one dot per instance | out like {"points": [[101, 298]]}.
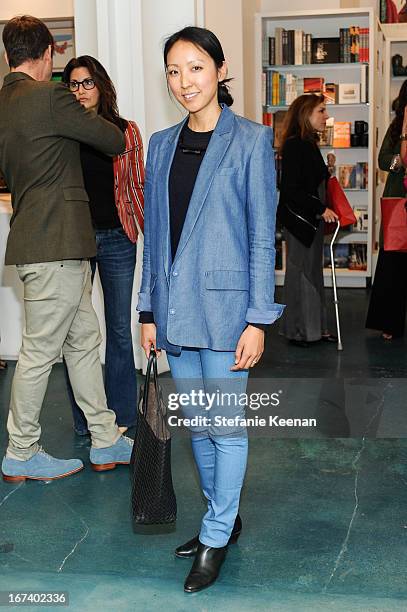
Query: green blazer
{"points": [[41, 128]]}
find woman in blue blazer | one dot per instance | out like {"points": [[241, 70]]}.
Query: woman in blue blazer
{"points": [[207, 288]]}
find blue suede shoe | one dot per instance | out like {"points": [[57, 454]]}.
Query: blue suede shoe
{"points": [[40, 466], [103, 459]]}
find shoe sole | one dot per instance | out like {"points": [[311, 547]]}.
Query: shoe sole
{"points": [[202, 587], [105, 467], [7, 478], [232, 540]]}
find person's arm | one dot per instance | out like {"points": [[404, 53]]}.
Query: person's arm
{"points": [[144, 299], [135, 179], [72, 120], [261, 214], [386, 152], [293, 188], [403, 145]]}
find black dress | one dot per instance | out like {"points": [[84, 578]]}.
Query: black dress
{"points": [[388, 300], [304, 174]]}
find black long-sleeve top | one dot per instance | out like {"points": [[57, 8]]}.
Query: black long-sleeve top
{"points": [[302, 171], [97, 171]]}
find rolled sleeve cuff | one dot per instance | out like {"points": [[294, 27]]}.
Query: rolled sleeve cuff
{"points": [[255, 315], [144, 302]]}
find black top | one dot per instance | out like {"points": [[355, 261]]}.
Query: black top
{"points": [[303, 170], [184, 170], [99, 183]]}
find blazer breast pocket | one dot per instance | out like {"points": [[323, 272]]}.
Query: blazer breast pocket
{"points": [[226, 171], [75, 194]]}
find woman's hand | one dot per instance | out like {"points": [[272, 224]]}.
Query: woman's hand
{"points": [[148, 338], [329, 216], [249, 348]]}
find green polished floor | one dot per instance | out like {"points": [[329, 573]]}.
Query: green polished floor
{"points": [[325, 518]]}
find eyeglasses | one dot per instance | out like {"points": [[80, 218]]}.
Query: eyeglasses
{"points": [[86, 84]]}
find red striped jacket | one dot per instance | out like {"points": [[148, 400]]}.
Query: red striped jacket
{"points": [[128, 169]]}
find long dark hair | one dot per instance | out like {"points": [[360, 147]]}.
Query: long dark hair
{"points": [[398, 106], [297, 121], [108, 99], [206, 40]]}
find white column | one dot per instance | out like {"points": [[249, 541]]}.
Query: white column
{"points": [[120, 50], [127, 37], [160, 20], [85, 15]]}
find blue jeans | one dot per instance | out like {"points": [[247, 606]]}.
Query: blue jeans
{"points": [[220, 452], [115, 260]]}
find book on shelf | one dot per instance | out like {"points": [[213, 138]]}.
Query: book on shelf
{"points": [[362, 219], [277, 123], [331, 93], [347, 256], [352, 176], [314, 85], [278, 34], [364, 83], [325, 51], [354, 35], [296, 47], [383, 11], [348, 93], [326, 137], [341, 256], [357, 257], [341, 135], [281, 88]]}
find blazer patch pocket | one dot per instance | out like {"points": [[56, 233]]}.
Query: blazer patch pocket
{"points": [[224, 280], [75, 194]]}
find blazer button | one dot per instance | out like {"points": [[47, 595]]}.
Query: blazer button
{"points": [[172, 311], [175, 273]]}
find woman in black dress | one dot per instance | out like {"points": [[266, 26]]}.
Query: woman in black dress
{"points": [[387, 308], [302, 207]]}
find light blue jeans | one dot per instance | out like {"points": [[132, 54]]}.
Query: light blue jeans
{"points": [[220, 451]]}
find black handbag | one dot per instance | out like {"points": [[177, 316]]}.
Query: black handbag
{"points": [[302, 226], [152, 497]]}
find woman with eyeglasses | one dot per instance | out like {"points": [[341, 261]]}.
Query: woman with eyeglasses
{"points": [[115, 187]]}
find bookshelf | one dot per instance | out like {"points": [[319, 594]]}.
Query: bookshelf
{"points": [[326, 24]]}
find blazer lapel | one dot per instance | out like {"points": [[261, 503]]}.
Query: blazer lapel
{"points": [[163, 197], [215, 152]]}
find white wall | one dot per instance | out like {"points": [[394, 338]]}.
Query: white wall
{"points": [[225, 19], [38, 8]]}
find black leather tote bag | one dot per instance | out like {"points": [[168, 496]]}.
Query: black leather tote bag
{"points": [[152, 497]]}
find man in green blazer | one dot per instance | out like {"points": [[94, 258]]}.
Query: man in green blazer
{"points": [[51, 238]]}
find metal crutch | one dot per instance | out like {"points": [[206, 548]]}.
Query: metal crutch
{"points": [[331, 248]]}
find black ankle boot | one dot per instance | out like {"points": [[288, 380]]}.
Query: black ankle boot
{"points": [[189, 548], [205, 568]]}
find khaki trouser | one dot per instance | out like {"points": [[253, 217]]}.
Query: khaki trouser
{"points": [[58, 316]]}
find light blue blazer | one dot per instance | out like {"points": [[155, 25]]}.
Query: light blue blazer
{"points": [[222, 276]]}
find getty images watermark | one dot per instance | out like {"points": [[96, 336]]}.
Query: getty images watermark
{"points": [[223, 402]]}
